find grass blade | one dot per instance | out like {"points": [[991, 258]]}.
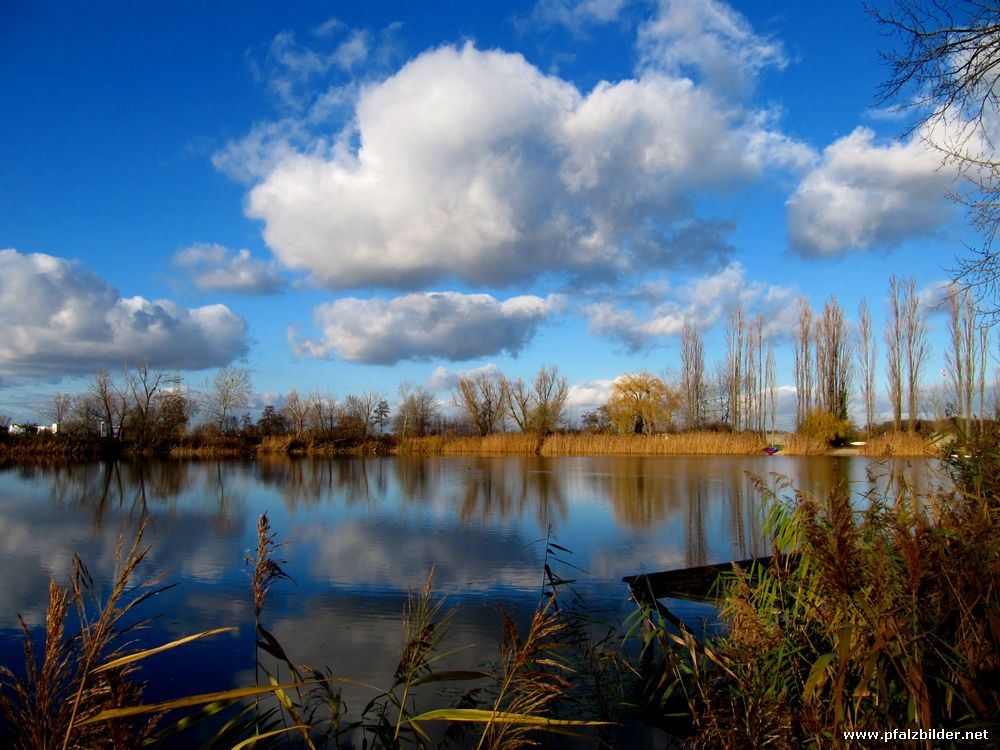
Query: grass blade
{"points": [[165, 647]]}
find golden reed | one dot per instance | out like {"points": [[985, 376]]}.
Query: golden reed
{"points": [[673, 444]]}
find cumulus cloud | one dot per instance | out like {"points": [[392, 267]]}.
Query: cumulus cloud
{"points": [[426, 325], [702, 301], [502, 174], [214, 267], [867, 196], [60, 319], [589, 394]]}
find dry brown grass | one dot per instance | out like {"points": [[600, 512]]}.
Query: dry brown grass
{"points": [[501, 443], [898, 444], [673, 444], [510, 443], [678, 444], [794, 444]]}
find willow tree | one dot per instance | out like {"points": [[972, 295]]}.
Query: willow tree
{"points": [[641, 403]]}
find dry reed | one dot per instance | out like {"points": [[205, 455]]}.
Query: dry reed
{"points": [[898, 444], [588, 444], [671, 444]]}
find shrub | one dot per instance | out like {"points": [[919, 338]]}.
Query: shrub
{"points": [[824, 426]]}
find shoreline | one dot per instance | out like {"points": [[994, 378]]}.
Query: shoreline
{"points": [[62, 447]]}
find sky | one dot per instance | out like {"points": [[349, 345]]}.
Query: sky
{"points": [[346, 196]]}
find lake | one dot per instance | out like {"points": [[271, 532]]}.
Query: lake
{"points": [[361, 533]]}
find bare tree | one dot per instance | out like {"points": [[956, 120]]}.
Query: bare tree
{"points": [[772, 389], [551, 392], [894, 352], [228, 391], [483, 398], [416, 412], [803, 362], [539, 407], [946, 70], [692, 374], [144, 387], [58, 409], [867, 356], [962, 358], [736, 331], [296, 411], [984, 333], [915, 349], [833, 361], [754, 408], [112, 401], [359, 410], [324, 413]]}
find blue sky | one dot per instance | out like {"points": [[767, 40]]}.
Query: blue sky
{"points": [[343, 196]]}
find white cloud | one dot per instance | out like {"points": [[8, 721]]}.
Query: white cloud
{"points": [[426, 325], [443, 379], [589, 394], [866, 196], [711, 40], [60, 319], [216, 268], [575, 15], [501, 174], [703, 301]]}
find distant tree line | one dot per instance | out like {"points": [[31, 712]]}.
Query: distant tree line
{"points": [[835, 365]]}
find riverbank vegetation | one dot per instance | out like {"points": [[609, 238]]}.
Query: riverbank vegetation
{"points": [[886, 619]]}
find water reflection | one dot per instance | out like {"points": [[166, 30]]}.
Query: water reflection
{"points": [[361, 532]]}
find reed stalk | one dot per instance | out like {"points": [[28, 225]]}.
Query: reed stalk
{"points": [[890, 620]]}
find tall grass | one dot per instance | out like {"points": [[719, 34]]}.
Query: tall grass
{"points": [[670, 444], [587, 444], [890, 620], [86, 674], [898, 444]]}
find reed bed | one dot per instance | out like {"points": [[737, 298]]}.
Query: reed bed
{"points": [[898, 444], [579, 444], [670, 444], [501, 444], [674, 444], [886, 620], [794, 444]]}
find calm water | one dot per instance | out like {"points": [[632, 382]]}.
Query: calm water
{"points": [[361, 532]]}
